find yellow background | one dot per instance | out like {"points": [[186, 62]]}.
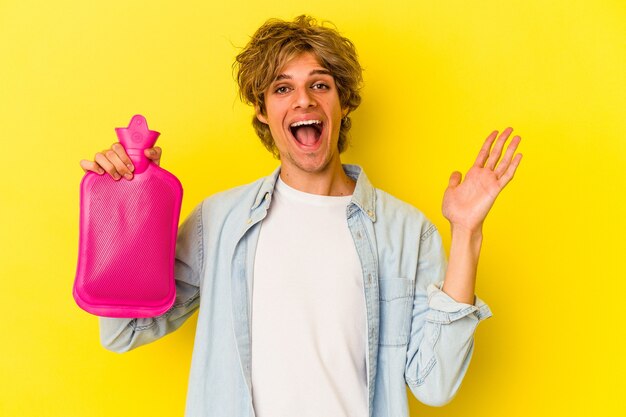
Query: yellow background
{"points": [[439, 77]]}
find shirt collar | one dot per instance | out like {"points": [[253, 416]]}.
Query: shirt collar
{"points": [[364, 196]]}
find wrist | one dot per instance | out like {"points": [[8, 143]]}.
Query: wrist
{"points": [[464, 232]]}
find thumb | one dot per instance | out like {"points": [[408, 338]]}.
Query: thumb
{"points": [[455, 179], [154, 154]]}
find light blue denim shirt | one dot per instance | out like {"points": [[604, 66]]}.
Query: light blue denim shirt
{"points": [[417, 335]]}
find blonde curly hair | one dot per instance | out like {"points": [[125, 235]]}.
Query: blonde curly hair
{"points": [[274, 44]]}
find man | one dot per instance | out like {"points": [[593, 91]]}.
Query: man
{"points": [[317, 293]]}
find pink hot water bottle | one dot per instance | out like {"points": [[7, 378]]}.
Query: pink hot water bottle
{"points": [[128, 234]]}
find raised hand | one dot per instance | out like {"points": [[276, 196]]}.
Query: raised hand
{"points": [[116, 162], [466, 204]]}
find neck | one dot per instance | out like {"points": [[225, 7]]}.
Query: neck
{"points": [[331, 181]]}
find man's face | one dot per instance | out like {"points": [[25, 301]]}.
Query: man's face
{"points": [[304, 115]]}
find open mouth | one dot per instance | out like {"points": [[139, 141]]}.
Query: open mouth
{"points": [[307, 132]]}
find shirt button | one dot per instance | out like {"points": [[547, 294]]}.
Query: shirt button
{"points": [[370, 213], [249, 221], [358, 235]]}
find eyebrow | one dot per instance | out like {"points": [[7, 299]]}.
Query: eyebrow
{"points": [[280, 77]]}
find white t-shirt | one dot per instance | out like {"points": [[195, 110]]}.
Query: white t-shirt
{"points": [[309, 331]]}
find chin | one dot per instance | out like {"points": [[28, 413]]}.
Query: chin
{"points": [[312, 163]]}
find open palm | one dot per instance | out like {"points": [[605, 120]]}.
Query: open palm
{"points": [[466, 204]]}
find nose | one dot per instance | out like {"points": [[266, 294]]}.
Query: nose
{"points": [[303, 98]]}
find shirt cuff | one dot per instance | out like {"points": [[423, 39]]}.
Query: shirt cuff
{"points": [[444, 309]]}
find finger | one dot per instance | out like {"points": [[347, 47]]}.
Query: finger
{"points": [[508, 156], [455, 179], [108, 167], [154, 154], [120, 166], [123, 156], [91, 166], [484, 151], [510, 171], [497, 148]]}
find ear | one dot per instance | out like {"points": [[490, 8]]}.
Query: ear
{"points": [[259, 114]]}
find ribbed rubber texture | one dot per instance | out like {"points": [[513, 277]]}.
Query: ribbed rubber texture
{"points": [[127, 244]]}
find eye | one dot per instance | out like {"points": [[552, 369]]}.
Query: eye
{"points": [[320, 86], [282, 90]]}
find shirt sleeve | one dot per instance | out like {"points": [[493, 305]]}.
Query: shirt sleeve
{"points": [[121, 335], [444, 309], [442, 329]]}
